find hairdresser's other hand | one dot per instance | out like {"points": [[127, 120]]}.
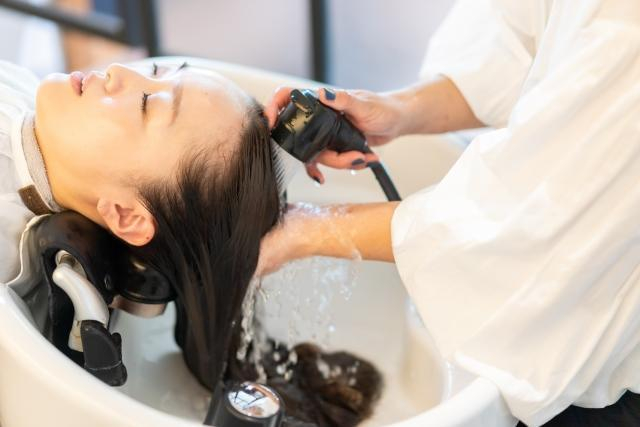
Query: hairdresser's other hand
{"points": [[289, 240], [377, 116], [352, 231]]}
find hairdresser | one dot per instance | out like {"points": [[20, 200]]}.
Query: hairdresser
{"points": [[523, 261]]}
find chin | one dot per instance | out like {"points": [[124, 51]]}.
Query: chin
{"points": [[54, 95], [54, 80], [55, 84], [54, 106]]}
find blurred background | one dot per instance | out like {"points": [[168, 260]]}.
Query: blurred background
{"points": [[369, 44]]}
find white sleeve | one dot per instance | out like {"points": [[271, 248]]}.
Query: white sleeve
{"points": [[13, 219], [524, 261], [486, 49]]}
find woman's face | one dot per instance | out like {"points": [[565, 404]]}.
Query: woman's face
{"points": [[102, 133], [126, 123]]}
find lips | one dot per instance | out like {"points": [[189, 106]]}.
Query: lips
{"points": [[76, 78]]}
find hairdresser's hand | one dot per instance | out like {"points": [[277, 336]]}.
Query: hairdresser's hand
{"points": [[377, 116]]}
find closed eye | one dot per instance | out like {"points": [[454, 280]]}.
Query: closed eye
{"points": [[143, 107], [157, 70]]}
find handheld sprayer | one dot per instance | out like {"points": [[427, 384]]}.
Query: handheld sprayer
{"points": [[306, 127]]}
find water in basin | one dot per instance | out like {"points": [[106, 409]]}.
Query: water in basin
{"points": [[325, 303]]}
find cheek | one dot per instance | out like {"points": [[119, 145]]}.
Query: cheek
{"points": [[161, 149], [55, 103], [105, 157], [91, 138], [94, 141], [105, 124]]}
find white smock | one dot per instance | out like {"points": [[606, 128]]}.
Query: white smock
{"points": [[17, 102], [524, 260]]}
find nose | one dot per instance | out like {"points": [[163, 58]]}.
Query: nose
{"points": [[121, 78]]}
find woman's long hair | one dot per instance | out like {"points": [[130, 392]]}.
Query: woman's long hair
{"points": [[209, 225]]}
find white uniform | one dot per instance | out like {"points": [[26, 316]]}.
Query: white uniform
{"points": [[524, 262], [17, 98]]}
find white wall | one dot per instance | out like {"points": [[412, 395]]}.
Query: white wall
{"points": [[11, 25], [30, 42], [373, 44], [267, 34], [379, 44]]}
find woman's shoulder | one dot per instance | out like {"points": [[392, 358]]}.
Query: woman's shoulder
{"points": [[14, 218]]}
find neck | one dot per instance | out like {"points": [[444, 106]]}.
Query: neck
{"points": [[69, 193]]}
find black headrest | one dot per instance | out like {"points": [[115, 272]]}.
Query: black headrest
{"points": [[108, 262]]}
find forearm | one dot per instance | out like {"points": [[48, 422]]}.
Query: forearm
{"points": [[346, 231], [435, 106]]}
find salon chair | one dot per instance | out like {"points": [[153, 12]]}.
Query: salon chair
{"points": [[86, 273]]}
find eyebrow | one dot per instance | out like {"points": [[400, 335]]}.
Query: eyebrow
{"points": [[177, 98]]}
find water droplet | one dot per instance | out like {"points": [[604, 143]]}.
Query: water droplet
{"points": [[323, 368], [288, 375], [335, 372], [301, 298]]}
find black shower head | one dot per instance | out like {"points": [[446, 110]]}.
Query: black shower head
{"points": [[306, 127]]}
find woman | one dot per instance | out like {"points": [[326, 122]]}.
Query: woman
{"points": [[101, 137], [173, 164], [523, 260], [158, 161], [179, 164]]}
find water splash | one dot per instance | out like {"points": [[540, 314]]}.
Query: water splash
{"points": [[248, 319], [302, 294], [300, 297]]}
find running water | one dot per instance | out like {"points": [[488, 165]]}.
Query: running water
{"points": [[247, 323], [301, 295], [298, 297]]}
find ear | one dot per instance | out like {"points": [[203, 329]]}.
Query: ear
{"points": [[130, 221]]}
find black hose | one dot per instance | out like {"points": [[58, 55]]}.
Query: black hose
{"points": [[383, 178], [385, 182]]}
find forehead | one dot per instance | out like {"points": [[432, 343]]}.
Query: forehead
{"points": [[204, 85], [212, 107]]}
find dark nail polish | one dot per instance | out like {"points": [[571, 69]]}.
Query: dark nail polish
{"points": [[369, 164], [329, 94], [316, 179], [357, 162]]}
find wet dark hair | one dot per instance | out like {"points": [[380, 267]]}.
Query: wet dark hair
{"points": [[209, 225]]}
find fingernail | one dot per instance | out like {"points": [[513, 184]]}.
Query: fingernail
{"points": [[316, 179], [357, 162], [329, 94]]}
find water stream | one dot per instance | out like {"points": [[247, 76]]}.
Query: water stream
{"points": [[298, 297]]}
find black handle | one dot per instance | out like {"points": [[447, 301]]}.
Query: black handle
{"points": [[306, 127], [102, 353]]}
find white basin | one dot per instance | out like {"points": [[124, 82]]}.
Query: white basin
{"points": [[40, 386]]}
